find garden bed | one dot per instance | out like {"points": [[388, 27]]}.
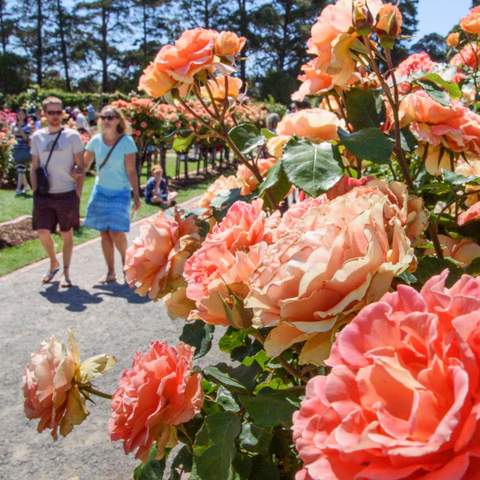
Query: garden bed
{"points": [[15, 232]]}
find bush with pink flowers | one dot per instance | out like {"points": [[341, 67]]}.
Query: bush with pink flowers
{"points": [[335, 270]]}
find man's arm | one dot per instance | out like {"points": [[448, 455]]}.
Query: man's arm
{"points": [[79, 172]]}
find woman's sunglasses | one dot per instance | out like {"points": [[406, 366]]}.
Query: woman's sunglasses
{"points": [[108, 117]]}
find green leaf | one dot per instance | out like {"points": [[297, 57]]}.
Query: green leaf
{"points": [[268, 134], [198, 334], [428, 266], [232, 339], [435, 92], [182, 144], [408, 140], [152, 469], [474, 268], [455, 179], [363, 108], [242, 466], [255, 439], [264, 469], [246, 137], [276, 183], [368, 144], [270, 409], [214, 447], [407, 278], [224, 374], [181, 463], [223, 201], [226, 400], [311, 167], [451, 87]]}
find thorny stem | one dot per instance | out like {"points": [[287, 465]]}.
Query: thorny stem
{"points": [[394, 103]]}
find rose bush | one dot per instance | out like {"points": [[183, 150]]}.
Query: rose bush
{"points": [[332, 231]]}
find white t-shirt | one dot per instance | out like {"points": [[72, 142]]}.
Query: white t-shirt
{"points": [[62, 161], [82, 121]]}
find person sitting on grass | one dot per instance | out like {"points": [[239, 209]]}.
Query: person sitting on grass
{"points": [[156, 189]]}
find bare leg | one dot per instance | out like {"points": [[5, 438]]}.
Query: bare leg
{"points": [[108, 254], [67, 253], [47, 242], [120, 241]]}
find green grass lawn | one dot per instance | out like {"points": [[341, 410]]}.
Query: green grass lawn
{"points": [[13, 258]]}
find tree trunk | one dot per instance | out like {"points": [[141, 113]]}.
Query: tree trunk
{"points": [[3, 33], [104, 48], [286, 22], [39, 50], [63, 46], [145, 32], [242, 8], [206, 14]]}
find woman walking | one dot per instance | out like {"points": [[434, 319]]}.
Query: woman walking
{"points": [[21, 150], [109, 207]]}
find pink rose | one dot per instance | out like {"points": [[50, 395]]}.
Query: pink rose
{"points": [[155, 260], [473, 213], [217, 274], [341, 255], [313, 124], [156, 394], [464, 251], [417, 62], [468, 56], [402, 399], [221, 184]]}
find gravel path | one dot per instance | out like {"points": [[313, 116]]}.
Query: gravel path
{"points": [[109, 319]]}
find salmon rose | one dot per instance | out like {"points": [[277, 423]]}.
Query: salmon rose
{"points": [[155, 83], [248, 179], [228, 44], [314, 124], [402, 398], [52, 385], [471, 23], [221, 184], [470, 215], [468, 56], [158, 393], [470, 168], [339, 256], [313, 80], [464, 251], [219, 86], [218, 273], [155, 261]]}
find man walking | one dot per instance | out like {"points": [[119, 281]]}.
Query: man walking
{"points": [[59, 151]]}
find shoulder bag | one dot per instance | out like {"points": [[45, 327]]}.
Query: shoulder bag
{"points": [[43, 184]]}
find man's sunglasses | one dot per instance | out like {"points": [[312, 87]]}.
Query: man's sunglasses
{"points": [[54, 112], [108, 117]]}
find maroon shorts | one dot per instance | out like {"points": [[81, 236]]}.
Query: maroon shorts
{"points": [[56, 208]]}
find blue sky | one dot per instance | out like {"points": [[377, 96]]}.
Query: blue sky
{"points": [[440, 15]]}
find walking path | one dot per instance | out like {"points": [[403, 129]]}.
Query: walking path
{"points": [[106, 318]]}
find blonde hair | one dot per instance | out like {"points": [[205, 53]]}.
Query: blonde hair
{"points": [[156, 169], [123, 125], [51, 101]]}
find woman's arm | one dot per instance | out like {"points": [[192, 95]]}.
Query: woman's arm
{"points": [[132, 178], [88, 158]]}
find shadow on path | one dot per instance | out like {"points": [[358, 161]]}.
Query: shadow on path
{"points": [[75, 298], [121, 290]]}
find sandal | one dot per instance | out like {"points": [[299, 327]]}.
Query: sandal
{"points": [[110, 278], [48, 277], [66, 283]]}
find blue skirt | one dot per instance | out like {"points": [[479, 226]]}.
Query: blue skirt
{"points": [[108, 210]]}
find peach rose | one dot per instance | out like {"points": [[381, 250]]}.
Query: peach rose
{"points": [[217, 274], [470, 168], [155, 260], [341, 255], [332, 36], [248, 179], [468, 56], [313, 124], [154, 82], [471, 22], [401, 400], [276, 145], [192, 53], [473, 213], [389, 21], [219, 85], [313, 81], [228, 44], [463, 251], [417, 62], [52, 384], [453, 40], [221, 184], [156, 394]]}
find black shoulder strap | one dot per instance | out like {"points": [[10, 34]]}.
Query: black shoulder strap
{"points": [[107, 158], [53, 148]]}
